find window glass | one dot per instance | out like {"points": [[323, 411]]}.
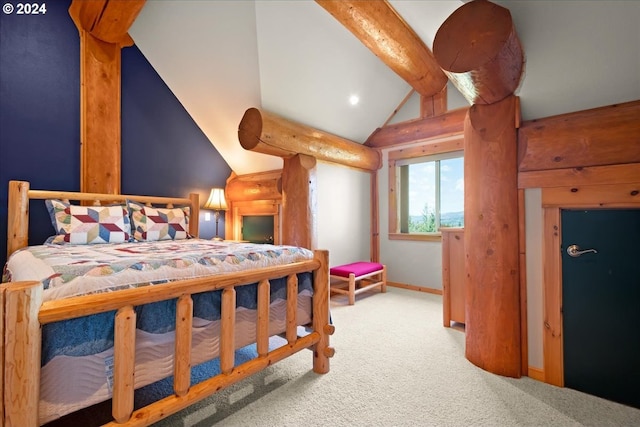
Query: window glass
{"points": [[431, 193]]}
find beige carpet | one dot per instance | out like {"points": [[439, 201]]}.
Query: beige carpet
{"points": [[396, 365]]}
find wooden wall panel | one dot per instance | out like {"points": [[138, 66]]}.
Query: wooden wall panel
{"points": [[600, 136]]}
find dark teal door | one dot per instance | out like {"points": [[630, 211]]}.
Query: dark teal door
{"points": [[601, 303]]}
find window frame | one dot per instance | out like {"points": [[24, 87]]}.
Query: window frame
{"points": [[413, 154]]}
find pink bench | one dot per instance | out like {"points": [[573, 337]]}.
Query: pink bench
{"points": [[358, 272]]}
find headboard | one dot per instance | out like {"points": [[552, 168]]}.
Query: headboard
{"points": [[20, 194]]}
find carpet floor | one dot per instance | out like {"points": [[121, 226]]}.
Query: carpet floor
{"points": [[395, 365]]}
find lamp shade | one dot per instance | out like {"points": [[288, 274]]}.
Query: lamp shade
{"points": [[216, 200]]}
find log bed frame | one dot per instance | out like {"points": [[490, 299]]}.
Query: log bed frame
{"points": [[22, 313]]}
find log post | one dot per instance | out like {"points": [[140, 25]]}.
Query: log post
{"points": [[478, 48], [292, 308], [262, 327], [321, 350], [182, 348], [103, 27], [22, 346], [268, 133], [379, 27], [18, 220], [299, 201], [124, 350], [492, 309]]}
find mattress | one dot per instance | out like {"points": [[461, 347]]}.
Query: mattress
{"points": [[77, 354], [92, 377]]}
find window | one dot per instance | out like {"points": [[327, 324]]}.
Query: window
{"points": [[427, 191]]}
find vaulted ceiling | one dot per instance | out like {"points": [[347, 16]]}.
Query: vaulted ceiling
{"points": [[291, 58], [294, 59]]}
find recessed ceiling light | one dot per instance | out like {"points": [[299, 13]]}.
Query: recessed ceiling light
{"points": [[354, 99]]}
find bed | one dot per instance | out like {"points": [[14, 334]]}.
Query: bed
{"points": [[99, 311]]}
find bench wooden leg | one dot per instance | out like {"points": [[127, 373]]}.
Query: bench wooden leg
{"points": [[352, 289], [383, 287]]}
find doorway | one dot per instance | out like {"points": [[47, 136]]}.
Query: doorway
{"points": [[601, 302]]}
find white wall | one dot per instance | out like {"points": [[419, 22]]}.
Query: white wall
{"points": [[408, 262], [344, 214]]}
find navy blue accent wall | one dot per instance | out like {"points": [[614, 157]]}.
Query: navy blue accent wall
{"points": [[39, 109], [163, 151]]}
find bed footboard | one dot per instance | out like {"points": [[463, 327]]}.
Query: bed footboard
{"points": [[23, 314]]}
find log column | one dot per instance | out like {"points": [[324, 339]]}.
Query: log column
{"points": [[478, 48], [299, 201], [492, 309], [103, 27]]}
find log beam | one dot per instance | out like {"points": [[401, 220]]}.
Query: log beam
{"points": [[268, 133], [379, 27], [107, 20], [595, 137], [491, 239], [256, 186], [447, 124], [299, 201], [478, 48]]}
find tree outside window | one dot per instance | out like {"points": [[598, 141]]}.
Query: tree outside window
{"points": [[431, 193]]}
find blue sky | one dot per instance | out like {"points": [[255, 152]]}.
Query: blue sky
{"points": [[422, 186]]}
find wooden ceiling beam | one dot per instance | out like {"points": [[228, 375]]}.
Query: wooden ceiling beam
{"points": [[478, 48], [268, 133], [446, 124], [379, 27]]}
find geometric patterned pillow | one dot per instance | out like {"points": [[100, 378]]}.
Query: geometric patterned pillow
{"points": [[151, 224], [89, 224]]}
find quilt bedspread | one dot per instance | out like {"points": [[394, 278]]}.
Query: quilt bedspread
{"points": [[73, 270]]}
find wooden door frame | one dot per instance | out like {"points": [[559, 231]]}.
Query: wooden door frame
{"points": [[553, 201]]}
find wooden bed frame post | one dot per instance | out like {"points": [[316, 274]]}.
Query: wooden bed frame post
{"points": [[22, 357], [321, 351], [18, 216]]}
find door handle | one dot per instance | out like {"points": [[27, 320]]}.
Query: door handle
{"points": [[574, 251]]}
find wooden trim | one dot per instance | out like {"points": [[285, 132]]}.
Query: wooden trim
{"points": [[446, 280], [431, 237], [524, 334], [589, 175], [415, 288], [608, 195], [552, 298], [255, 207], [375, 219], [535, 373], [394, 199], [441, 145]]}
